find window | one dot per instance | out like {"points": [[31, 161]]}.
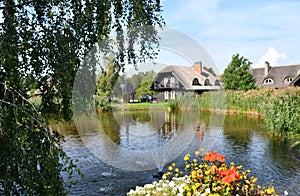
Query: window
{"points": [[166, 95], [173, 95], [206, 82], [287, 79], [166, 81], [196, 81], [217, 83], [172, 81], [268, 81]]}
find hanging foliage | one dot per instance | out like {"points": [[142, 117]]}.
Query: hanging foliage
{"points": [[49, 39]]}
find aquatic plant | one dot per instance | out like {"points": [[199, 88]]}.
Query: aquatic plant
{"points": [[206, 174], [187, 101]]}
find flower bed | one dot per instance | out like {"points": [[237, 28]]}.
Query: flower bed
{"points": [[205, 175]]}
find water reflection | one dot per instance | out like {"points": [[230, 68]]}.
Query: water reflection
{"points": [[133, 127], [142, 139], [138, 140], [110, 126]]}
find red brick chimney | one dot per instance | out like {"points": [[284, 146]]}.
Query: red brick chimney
{"points": [[198, 67]]}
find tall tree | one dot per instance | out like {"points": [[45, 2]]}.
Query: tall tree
{"points": [[50, 38], [237, 76]]}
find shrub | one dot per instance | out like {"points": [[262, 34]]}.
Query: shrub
{"points": [[102, 104]]}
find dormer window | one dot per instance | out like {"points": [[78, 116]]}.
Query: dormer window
{"points": [[268, 81], [217, 83], [196, 82], [206, 82], [287, 79]]}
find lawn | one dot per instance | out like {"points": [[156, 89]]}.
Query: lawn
{"points": [[140, 106]]}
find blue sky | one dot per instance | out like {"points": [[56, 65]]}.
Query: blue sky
{"points": [[259, 30]]}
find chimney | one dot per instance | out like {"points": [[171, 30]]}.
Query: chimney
{"points": [[198, 67], [267, 68]]}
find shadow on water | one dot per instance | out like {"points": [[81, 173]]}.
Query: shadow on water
{"points": [[241, 139]]}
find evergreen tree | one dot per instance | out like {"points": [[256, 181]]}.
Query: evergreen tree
{"points": [[237, 76]]}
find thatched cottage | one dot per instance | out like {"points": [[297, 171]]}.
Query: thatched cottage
{"points": [[174, 80]]}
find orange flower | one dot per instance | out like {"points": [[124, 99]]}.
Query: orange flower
{"points": [[213, 156], [228, 179], [229, 175]]}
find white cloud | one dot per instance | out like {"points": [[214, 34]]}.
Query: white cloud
{"points": [[272, 56]]}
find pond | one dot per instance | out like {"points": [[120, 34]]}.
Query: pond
{"points": [[119, 150]]}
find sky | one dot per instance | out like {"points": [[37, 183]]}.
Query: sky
{"points": [[259, 30]]}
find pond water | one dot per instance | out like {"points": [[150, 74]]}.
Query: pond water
{"points": [[119, 150]]}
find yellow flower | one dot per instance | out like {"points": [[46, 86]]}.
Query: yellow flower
{"points": [[270, 191], [197, 153], [170, 168], [173, 164], [187, 157], [194, 174], [176, 170], [187, 166], [194, 188], [186, 187], [254, 180]]}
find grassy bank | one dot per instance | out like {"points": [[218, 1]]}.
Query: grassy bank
{"points": [[280, 108]]}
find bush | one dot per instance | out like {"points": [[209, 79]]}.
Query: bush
{"points": [[102, 104]]}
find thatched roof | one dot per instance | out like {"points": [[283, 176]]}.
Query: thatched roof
{"points": [[278, 74]]}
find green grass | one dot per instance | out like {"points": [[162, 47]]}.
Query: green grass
{"points": [[140, 106]]}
